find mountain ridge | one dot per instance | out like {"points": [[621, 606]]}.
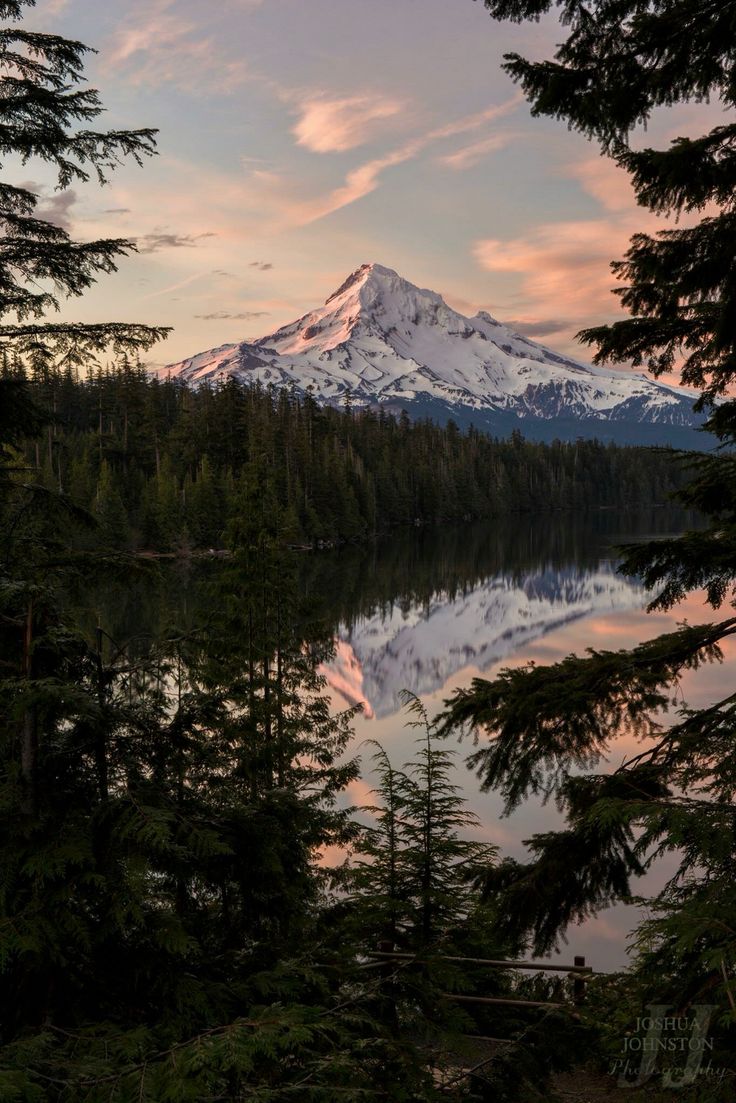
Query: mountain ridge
{"points": [[379, 340]]}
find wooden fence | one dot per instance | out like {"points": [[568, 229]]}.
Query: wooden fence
{"points": [[579, 973]]}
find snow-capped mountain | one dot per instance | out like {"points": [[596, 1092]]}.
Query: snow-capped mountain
{"points": [[382, 341], [422, 647]]}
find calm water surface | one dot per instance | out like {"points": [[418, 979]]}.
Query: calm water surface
{"points": [[430, 610], [470, 602]]}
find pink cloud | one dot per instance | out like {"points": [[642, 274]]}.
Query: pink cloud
{"points": [[472, 154], [472, 122], [605, 181], [364, 179], [564, 266], [158, 45], [334, 125]]}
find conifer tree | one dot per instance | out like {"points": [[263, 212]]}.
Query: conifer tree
{"points": [[619, 63], [41, 82], [440, 867], [416, 874], [376, 876], [41, 77]]}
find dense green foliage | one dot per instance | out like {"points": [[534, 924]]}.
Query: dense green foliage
{"points": [[412, 889], [164, 467], [416, 870], [545, 724], [160, 818], [167, 930]]}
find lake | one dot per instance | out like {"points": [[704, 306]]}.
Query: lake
{"points": [[427, 610], [466, 603]]}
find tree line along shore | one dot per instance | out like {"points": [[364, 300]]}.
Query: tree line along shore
{"points": [[164, 468]]}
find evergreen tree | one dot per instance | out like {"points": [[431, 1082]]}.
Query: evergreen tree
{"points": [[375, 878], [40, 80], [416, 875], [440, 867], [415, 886], [162, 447], [38, 261], [110, 510], [619, 63]]}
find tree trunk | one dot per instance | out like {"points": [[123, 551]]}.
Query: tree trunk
{"points": [[29, 746], [101, 733]]}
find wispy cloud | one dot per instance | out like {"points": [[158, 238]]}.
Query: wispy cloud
{"points": [[161, 43], [224, 315], [176, 286], [261, 265], [57, 208], [364, 179], [564, 267], [54, 206], [605, 181], [153, 243], [328, 125], [473, 154]]}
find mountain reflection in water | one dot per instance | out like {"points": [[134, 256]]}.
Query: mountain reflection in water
{"points": [[533, 589], [434, 602], [420, 647]]}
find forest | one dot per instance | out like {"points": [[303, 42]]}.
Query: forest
{"points": [[171, 928], [162, 467], [198, 902]]}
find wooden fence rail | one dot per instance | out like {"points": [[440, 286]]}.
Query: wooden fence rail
{"points": [[537, 966], [578, 972]]}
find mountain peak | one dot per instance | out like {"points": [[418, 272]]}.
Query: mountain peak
{"points": [[484, 316], [359, 276], [382, 340], [372, 300], [372, 275]]}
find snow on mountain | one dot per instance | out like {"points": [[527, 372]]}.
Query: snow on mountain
{"points": [[421, 648], [381, 340]]}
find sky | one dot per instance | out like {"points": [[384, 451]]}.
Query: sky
{"points": [[299, 139]]}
